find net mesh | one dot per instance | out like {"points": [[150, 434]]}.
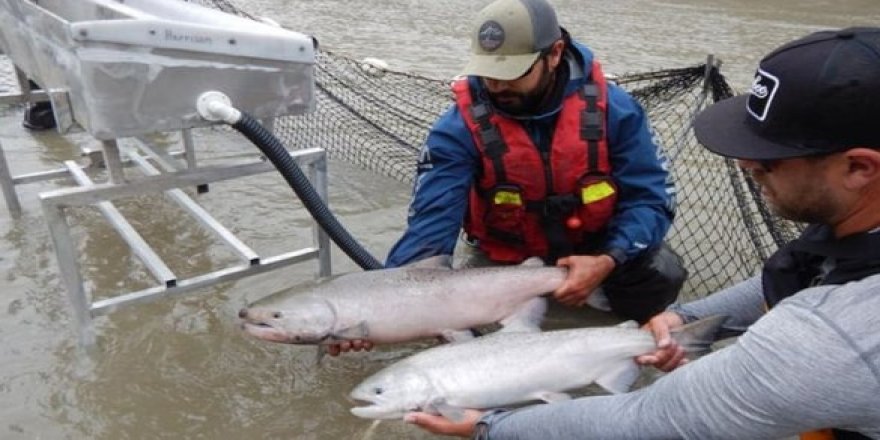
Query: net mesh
{"points": [[377, 119]]}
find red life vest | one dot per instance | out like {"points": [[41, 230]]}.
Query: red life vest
{"points": [[528, 203]]}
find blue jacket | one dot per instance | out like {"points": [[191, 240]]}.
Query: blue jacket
{"points": [[449, 161]]}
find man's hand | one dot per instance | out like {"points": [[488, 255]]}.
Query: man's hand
{"points": [[443, 426], [669, 354], [585, 274], [353, 345]]}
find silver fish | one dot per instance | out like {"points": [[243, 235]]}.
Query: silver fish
{"points": [[505, 368], [425, 299]]}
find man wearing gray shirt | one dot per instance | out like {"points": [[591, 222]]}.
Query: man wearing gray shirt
{"points": [[811, 364]]}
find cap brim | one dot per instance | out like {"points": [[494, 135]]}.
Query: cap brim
{"points": [[723, 129], [502, 67]]}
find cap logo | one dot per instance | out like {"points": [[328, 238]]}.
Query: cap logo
{"points": [[490, 36], [763, 91]]}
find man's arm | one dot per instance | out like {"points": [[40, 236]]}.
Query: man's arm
{"points": [[446, 170], [742, 304], [646, 194], [782, 377]]}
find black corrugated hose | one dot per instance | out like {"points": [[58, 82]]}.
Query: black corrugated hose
{"points": [[279, 156]]}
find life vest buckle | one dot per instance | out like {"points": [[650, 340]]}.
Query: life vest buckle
{"points": [[559, 206]]}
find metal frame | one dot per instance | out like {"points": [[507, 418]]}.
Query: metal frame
{"points": [[55, 202]]}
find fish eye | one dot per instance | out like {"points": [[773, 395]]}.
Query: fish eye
{"points": [[378, 390], [276, 315]]}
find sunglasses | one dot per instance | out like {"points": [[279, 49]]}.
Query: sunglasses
{"points": [[768, 165], [543, 54]]}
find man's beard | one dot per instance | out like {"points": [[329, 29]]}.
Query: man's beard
{"points": [[525, 104], [813, 203]]}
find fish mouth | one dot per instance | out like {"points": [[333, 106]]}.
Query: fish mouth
{"points": [[376, 411], [372, 407], [266, 332]]}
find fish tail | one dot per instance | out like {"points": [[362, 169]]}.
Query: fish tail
{"points": [[697, 337]]}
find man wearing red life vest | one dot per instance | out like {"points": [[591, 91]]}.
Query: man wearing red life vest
{"points": [[540, 156]]}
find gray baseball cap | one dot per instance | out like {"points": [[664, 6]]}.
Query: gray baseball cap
{"points": [[509, 35]]}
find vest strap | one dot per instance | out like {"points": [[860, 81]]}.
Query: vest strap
{"points": [[592, 125], [493, 144]]}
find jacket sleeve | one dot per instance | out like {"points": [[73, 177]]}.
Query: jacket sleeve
{"points": [[742, 304], [646, 194], [797, 369], [446, 167]]}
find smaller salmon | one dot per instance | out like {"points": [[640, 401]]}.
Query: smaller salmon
{"points": [[505, 368]]}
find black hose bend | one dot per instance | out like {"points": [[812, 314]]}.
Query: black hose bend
{"points": [[280, 157]]}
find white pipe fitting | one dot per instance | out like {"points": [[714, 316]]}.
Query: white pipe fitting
{"points": [[216, 106]]}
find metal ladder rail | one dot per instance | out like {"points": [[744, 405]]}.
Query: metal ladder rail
{"points": [[140, 247], [204, 218]]}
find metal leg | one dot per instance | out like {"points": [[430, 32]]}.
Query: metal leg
{"points": [[318, 176], [23, 84], [70, 271], [113, 161], [9, 194], [189, 147], [189, 151]]}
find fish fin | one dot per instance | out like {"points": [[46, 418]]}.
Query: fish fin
{"points": [[435, 262], [527, 318], [319, 355], [453, 413], [533, 261], [697, 337], [457, 335], [628, 324], [598, 300], [360, 330], [620, 378], [550, 396]]}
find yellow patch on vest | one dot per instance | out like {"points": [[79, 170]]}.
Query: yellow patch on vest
{"points": [[507, 198], [596, 192]]}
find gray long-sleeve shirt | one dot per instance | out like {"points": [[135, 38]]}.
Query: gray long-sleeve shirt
{"points": [[812, 362]]}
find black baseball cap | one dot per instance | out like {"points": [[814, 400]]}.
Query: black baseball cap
{"points": [[816, 95]]}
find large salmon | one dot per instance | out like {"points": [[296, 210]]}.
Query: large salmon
{"points": [[421, 300]]}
